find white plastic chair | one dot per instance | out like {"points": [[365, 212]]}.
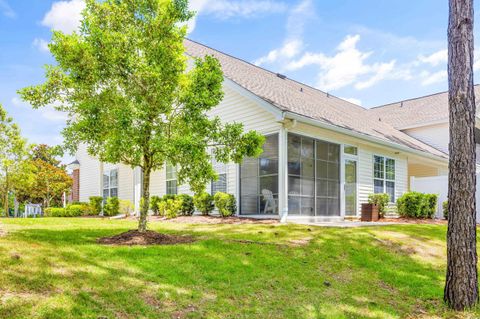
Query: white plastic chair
{"points": [[270, 201]]}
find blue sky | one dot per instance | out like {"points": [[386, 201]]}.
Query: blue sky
{"points": [[372, 51]]}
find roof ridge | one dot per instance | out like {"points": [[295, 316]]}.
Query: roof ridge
{"points": [[327, 94], [413, 98]]}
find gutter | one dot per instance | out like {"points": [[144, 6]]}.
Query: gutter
{"points": [[376, 140]]}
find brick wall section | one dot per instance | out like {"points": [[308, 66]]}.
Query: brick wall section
{"points": [[76, 185]]}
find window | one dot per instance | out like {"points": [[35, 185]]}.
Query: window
{"points": [[171, 179], [384, 176], [350, 150], [110, 183], [259, 180], [220, 185]]}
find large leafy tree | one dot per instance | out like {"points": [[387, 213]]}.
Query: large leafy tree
{"points": [[134, 98], [12, 154], [461, 286], [51, 179]]}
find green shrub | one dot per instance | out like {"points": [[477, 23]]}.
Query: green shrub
{"points": [[445, 209], [204, 203], [54, 212], [170, 208], [431, 202], [169, 196], [126, 207], [225, 203], [79, 203], [381, 200], [96, 204], [154, 203], [76, 210], [112, 207], [187, 207], [417, 205]]}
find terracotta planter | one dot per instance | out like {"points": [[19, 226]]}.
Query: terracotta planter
{"points": [[369, 213]]}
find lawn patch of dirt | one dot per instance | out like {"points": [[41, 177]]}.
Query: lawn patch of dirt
{"points": [[134, 237], [415, 221]]}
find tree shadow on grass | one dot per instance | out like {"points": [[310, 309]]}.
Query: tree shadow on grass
{"points": [[340, 273]]}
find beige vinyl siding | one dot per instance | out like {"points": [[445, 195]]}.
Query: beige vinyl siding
{"points": [[238, 108], [157, 183], [125, 180], [125, 183], [90, 174], [436, 135], [366, 151]]}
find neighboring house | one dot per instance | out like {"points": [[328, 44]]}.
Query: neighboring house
{"points": [[323, 155], [427, 119]]}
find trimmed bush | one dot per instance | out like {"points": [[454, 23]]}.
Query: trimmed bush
{"points": [[431, 202], [170, 208], [76, 210], [187, 207], [96, 204], [381, 200], [55, 212], [445, 209], [126, 207], [169, 196], [225, 204], [204, 203], [417, 205], [154, 204], [112, 207]]}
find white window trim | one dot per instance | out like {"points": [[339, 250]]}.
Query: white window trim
{"points": [[170, 179], [384, 179], [109, 173]]}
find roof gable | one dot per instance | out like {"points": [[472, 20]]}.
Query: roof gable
{"points": [[421, 111]]}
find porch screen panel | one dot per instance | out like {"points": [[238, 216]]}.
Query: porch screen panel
{"points": [[301, 175], [259, 181], [328, 179], [313, 177]]}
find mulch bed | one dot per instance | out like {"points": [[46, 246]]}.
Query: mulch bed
{"points": [[415, 221], [134, 237]]}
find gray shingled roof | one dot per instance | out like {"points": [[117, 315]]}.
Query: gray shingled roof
{"points": [[298, 98], [419, 111]]}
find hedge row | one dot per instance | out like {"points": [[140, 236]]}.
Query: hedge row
{"points": [[171, 206], [417, 205]]}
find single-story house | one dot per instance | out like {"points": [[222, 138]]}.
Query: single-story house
{"points": [[323, 155]]}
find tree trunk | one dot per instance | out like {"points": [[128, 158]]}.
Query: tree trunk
{"points": [[145, 203], [461, 285], [7, 188]]}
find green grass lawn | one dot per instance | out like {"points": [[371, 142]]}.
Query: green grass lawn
{"points": [[53, 268]]}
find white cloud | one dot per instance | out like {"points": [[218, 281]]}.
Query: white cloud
{"points": [[290, 49], [347, 66], [6, 9], [48, 112], [433, 78], [381, 71], [64, 16], [434, 59], [293, 43], [225, 9], [41, 44], [352, 100]]}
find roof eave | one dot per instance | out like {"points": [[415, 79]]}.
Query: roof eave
{"points": [[369, 138]]}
